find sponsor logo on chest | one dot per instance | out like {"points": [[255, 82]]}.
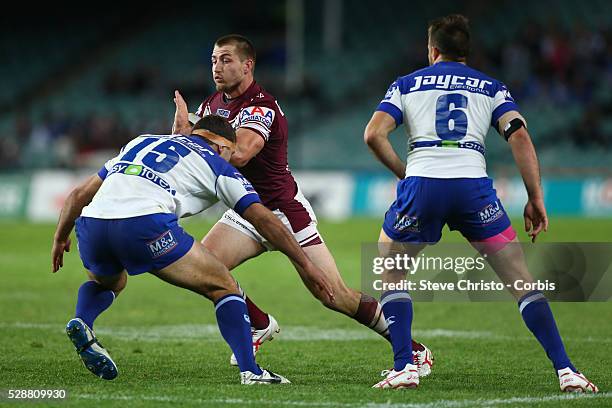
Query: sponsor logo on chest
{"points": [[223, 112]]}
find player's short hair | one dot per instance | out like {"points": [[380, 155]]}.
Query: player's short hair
{"points": [[244, 47], [451, 35], [216, 124]]}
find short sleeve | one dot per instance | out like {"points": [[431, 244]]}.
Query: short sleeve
{"points": [[234, 190], [103, 172], [392, 103], [502, 102], [257, 118]]}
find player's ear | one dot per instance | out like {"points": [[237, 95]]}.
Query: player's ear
{"points": [[248, 66]]}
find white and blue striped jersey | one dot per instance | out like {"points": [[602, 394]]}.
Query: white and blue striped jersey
{"points": [[168, 174], [447, 110]]}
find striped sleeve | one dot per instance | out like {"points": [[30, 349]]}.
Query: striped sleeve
{"points": [[392, 103]]}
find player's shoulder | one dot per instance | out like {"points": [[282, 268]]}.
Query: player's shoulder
{"points": [[218, 165], [448, 75], [259, 96], [205, 107], [260, 109], [212, 97]]}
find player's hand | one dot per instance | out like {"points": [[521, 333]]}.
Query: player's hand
{"points": [[536, 220], [321, 284], [57, 253], [181, 114]]}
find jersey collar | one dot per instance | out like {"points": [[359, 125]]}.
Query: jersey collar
{"points": [[247, 92]]}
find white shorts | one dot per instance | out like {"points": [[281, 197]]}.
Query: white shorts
{"points": [[296, 215]]}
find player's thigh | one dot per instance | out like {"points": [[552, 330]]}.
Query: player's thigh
{"points": [[508, 262], [388, 248], [230, 245], [201, 272]]}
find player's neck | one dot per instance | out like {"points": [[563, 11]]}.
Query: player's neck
{"points": [[443, 59], [240, 89]]}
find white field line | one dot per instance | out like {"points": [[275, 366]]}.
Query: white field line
{"points": [[210, 332], [516, 401]]}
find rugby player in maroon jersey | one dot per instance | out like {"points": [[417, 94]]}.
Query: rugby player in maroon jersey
{"points": [[261, 155]]}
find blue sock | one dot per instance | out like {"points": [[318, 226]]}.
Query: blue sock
{"points": [[235, 327], [93, 299], [539, 319], [397, 308]]}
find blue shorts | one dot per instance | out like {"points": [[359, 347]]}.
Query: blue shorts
{"points": [[423, 205], [138, 244]]}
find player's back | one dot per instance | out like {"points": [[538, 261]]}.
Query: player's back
{"points": [[447, 110], [165, 174]]}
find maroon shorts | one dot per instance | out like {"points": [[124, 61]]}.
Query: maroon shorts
{"points": [[297, 215]]}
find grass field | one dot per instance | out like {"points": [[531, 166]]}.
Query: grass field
{"points": [[169, 351]]}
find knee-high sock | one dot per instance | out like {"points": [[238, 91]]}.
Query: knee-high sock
{"points": [[92, 300], [235, 327], [397, 307], [539, 319], [370, 314], [259, 318]]}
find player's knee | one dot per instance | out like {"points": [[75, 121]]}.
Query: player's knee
{"points": [[115, 283], [218, 284]]}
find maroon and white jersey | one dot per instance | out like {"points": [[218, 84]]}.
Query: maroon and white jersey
{"points": [[258, 111]]}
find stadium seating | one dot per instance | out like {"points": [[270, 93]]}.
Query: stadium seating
{"points": [[327, 121]]}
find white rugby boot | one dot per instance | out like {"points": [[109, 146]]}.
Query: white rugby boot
{"points": [[266, 378], [406, 378], [571, 381], [423, 359], [260, 336]]}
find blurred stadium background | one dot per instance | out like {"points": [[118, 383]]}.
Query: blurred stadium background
{"points": [[78, 85]]}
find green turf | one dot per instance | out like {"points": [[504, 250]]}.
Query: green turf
{"points": [[169, 352]]}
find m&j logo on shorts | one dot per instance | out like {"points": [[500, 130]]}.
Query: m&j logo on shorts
{"points": [[406, 223], [162, 245], [490, 213]]}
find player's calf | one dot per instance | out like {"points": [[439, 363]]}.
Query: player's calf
{"points": [[370, 314]]}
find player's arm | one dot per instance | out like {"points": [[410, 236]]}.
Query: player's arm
{"points": [[248, 144], [513, 127], [78, 198], [376, 136], [237, 193], [270, 227]]}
